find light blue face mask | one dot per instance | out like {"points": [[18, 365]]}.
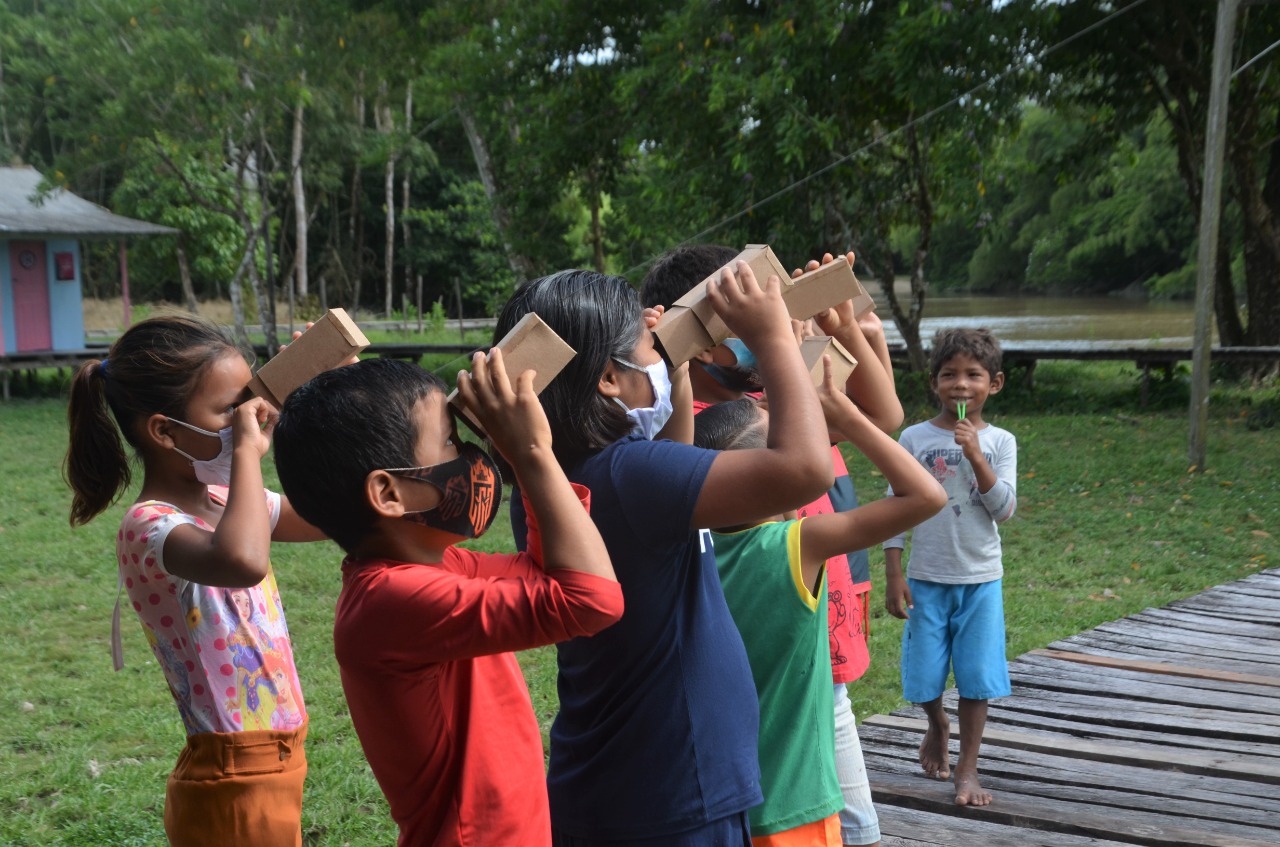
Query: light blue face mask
{"points": [[746, 359], [215, 471], [742, 376], [646, 422]]}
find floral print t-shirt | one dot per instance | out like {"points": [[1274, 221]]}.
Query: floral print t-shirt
{"points": [[225, 652]]}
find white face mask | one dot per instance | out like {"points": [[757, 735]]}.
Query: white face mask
{"points": [[215, 471], [647, 421]]}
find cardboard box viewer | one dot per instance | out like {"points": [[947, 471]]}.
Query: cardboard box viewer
{"points": [[328, 343], [691, 325], [529, 344], [842, 361]]}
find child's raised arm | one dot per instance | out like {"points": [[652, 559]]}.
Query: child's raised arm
{"points": [[517, 425], [795, 467], [871, 383], [238, 550], [916, 494]]}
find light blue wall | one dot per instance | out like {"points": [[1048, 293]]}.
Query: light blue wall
{"points": [[64, 298]]}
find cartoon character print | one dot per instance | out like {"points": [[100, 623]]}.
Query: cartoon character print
{"points": [[837, 614], [249, 643]]}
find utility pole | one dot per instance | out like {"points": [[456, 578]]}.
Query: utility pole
{"points": [[1215, 138]]}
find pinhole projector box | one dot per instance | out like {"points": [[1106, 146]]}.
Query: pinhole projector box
{"points": [[691, 325], [331, 341], [842, 361], [529, 344]]}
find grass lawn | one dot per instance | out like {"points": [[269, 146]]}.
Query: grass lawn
{"points": [[1109, 522]]}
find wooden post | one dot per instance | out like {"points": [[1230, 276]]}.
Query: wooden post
{"points": [[124, 285], [1215, 137]]}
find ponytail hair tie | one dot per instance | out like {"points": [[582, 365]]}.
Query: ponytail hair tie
{"points": [[102, 368]]}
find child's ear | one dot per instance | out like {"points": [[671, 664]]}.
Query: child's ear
{"points": [[706, 357], [157, 430], [382, 491], [997, 382], [608, 385]]}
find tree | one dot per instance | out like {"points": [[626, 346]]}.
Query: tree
{"points": [[823, 125], [1157, 57]]}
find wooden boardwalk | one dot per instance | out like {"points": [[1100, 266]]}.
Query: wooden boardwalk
{"points": [[1162, 728]]}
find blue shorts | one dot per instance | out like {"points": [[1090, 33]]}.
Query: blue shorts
{"points": [[958, 628]]}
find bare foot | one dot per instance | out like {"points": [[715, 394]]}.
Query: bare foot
{"points": [[969, 792], [935, 757]]}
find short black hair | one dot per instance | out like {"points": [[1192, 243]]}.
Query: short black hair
{"points": [[599, 316], [981, 344], [340, 426], [675, 273], [732, 425]]}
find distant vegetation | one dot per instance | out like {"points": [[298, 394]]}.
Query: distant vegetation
{"points": [[379, 152]]}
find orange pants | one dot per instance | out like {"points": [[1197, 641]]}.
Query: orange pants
{"points": [[823, 833], [237, 788]]}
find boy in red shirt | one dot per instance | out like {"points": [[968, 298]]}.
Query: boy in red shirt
{"points": [[424, 630]]}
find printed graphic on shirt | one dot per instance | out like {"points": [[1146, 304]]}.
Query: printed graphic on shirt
{"points": [[942, 463], [225, 652]]}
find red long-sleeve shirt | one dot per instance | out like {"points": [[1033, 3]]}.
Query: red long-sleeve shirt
{"points": [[437, 696]]}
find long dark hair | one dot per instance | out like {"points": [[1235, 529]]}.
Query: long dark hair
{"points": [[152, 369], [599, 316]]}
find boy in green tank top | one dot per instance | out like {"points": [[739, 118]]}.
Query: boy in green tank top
{"points": [[773, 579]]}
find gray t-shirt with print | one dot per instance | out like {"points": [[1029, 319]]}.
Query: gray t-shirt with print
{"points": [[961, 544]]}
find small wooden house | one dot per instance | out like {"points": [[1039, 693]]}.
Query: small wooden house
{"points": [[40, 263]]}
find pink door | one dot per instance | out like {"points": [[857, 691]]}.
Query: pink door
{"points": [[31, 319]]}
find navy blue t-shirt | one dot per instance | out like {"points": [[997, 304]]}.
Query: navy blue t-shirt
{"points": [[658, 719]]}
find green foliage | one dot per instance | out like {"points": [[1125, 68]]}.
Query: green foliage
{"points": [[1066, 220]]}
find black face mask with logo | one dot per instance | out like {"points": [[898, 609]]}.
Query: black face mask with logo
{"points": [[470, 488]]}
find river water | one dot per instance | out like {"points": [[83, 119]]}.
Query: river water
{"points": [[1049, 322]]}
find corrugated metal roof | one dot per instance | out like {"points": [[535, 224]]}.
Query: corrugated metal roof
{"points": [[60, 214]]}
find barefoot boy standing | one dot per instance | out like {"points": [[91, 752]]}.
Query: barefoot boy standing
{"points": [[952, 599]]}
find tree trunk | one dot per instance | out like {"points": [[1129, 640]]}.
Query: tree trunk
{"points": [[354, 230], [184, 274], [385, 124], [407, 258], [597, 237], [299, 200], [520, 265]]}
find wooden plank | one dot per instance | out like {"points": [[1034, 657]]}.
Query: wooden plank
{"points": [[895, 751], [901, 826], [1191, 811], [1063, 676], [1193, 808], [1191, 719], [1038, 812], [1207, 623], [1156, 667], [1168, 738], [1187, 666], [1186, 654], [1207, 764], [1197, 682], [1222, 607], [1188, 642]]}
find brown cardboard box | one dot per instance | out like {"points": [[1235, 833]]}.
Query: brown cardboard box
{"points": [[842, 361], [824, 287], [691, 324], [529, 344], [330, 342]]}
